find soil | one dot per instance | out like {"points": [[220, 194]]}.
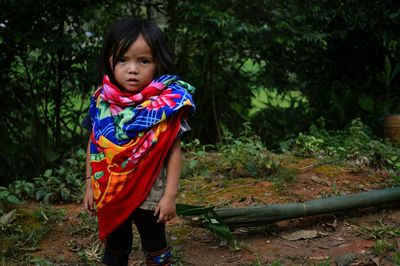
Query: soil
{"points": [[329, 239]]}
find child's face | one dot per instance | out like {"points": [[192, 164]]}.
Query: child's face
{"points": [[136, 69]]}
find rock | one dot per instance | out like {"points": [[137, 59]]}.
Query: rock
{"points": [[345, 259]]}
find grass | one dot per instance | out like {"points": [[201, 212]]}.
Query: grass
{"points": [[381, 247], [379, 232], [397, 258], [23, 235]]}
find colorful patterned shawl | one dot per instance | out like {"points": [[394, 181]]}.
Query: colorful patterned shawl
{"points": [[130, 139]]}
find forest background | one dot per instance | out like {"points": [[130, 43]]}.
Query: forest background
{"points": [[279, 66]]}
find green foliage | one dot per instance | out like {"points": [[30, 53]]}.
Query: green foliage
{"points": [[7, 227], [49, 214], [22, 188], [54, 187], [61, 184], [87, 245], [7, 197], [208, 218], [87, 225], [246, 155], [42, 262], [347, 50], [381, 247], [282, 176], [212, 38], [46, 64], [323, 263], [278, 126], [276, 262], [355, 144], [380, 232], [22, 229], [196, 161], [397, 258]]}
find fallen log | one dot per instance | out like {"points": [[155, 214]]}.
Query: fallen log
{"points": [[266, 214], [261, 215]]}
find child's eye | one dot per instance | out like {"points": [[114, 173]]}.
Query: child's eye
{"points": [[145, 61], [121, 60]]}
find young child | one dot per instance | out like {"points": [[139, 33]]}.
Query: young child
{"points": [[133, 162]]}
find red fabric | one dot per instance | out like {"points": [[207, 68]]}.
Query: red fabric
{"points": [[138, 183]]}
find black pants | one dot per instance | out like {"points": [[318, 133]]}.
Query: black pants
{"points": [[119, 242]]}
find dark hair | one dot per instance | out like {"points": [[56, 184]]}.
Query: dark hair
{"points": [[122, 34]]}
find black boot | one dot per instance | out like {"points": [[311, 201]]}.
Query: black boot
{"points": [[162, 257]]}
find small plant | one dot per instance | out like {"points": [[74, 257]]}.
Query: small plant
{"points": [[92, 253], [236, 245], [397, 258], [276, 262], [87, 225], [380, 247], [282, 176], [257, 262], [87, 245], [246, 155], [380, 231], [177, 259], [7, 197], [23, 232], [355, 145], [63, 183], [8, 228], [323, 263], [41, 261], [49, 214], [56, 185], [196, 162], [22, 189]]}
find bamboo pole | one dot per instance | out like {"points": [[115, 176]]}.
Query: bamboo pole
{"points": [[261, 215]]}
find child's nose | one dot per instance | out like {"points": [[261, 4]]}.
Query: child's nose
{"points": [[133, 68]]}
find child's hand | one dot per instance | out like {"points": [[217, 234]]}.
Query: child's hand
{"points": [[88, 200], [166, 209]]}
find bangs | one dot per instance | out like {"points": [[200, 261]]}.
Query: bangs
{"points": [[119, 49]]}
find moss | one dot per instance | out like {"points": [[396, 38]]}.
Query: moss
{"points": [[26, 232], [329, 170], [178, 234]]}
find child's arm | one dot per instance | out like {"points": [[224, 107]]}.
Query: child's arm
{"points": [[88, 200], [166, 207]]}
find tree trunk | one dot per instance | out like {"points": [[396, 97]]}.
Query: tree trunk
{"points": [[58, 91]]}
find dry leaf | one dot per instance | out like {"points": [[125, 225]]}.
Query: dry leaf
{"points": [[376, 261], [8, 217], [319, 258], [318, 180], [301, 234], [234, 258]]}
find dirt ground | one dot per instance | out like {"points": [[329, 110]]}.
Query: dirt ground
{"points": [[329, 239]]}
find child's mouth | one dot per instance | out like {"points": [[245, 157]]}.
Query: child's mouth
{"points": [[133, 81]]}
